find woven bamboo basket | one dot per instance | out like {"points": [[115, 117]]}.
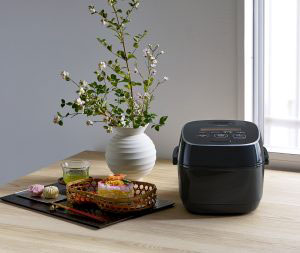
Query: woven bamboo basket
{"points": [[85, 191]]}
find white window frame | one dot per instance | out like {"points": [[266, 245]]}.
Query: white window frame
{"points": [[251, 93]]}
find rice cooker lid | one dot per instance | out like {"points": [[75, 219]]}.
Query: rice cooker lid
{"points": [[220, 133], [221, 143]]}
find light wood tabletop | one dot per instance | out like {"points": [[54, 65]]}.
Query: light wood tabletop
{"points": [[273, 227]]}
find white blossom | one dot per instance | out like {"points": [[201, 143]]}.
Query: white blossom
{"points": [[81, 91], [166, 78], [102, 65], [65, 75], [56, 119], [83, 83], [122, 120], [147, 95], [136, 70], [103, 22], [90, 122], [139, 95], [162, 52], [137, 5], [153, 71], [92, 9], [109, 129], [146, 52], [79, 102], [153, 65], [111, 2]]}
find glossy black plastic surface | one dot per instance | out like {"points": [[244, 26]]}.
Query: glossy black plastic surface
{"points": [[219, 190], [195, 150], [110, 218], [220, 166], [220, 132]]}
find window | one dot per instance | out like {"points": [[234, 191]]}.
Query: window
{"points": [[282, 76], [275, 84]]}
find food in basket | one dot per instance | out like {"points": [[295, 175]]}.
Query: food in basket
{"points": [[125, 196], [36, 190], [116, 187], [50, 192]]}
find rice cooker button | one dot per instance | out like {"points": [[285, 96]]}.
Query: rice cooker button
{"points": [[240, 136], [203, 135], [221, 135]]}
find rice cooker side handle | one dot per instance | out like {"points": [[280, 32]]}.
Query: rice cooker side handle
{"points": [[175, 155], [266, 155]]}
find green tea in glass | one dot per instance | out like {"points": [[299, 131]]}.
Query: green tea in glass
{"points": [[75, 169]]}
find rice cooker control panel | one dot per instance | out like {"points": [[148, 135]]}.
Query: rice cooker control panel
{"points": [[221, 132], [222, 135]]}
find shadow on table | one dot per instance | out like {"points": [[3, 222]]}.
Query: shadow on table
{"points": [[179, 212]]}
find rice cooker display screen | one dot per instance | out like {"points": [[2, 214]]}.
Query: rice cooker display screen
{"points": [[232, 129]]}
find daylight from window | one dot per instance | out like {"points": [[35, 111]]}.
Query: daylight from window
{"points": [[282, 76]]}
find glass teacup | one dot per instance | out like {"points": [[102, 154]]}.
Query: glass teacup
{"points": [[75, 170]]}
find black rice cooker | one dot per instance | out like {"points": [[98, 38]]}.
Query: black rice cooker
{"points": [[220, 166]]}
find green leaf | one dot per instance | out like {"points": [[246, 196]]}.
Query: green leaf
{"points": [[131, 56], [127, 95], [61, 123], [121, 54], [102, 41], [63, 103], [125, 80], [100, 78], [162, 120], [103, 14]]}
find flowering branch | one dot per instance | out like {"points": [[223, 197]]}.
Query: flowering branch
{"points": [[113, 96]]}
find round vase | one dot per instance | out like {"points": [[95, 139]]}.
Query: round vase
{"points": [[131, 152]]}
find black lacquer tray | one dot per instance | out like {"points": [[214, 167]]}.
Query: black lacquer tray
{"points": [[79, 219]]}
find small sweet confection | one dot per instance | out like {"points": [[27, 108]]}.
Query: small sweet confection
{"points": [[116, 187], [36, 190], [50, 192]]}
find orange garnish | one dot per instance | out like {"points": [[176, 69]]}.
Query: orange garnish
{"points": [[115, 182], [116, 177]]}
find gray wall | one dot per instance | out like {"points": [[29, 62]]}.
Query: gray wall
{"points": [[41, 38]]}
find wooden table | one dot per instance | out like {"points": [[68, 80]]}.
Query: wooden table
{"points": [[273, 227]]}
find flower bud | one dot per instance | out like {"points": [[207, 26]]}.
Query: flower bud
{"points": [[90, 123], [92, 9], [56, 119], [65, 75], [102, 65]]}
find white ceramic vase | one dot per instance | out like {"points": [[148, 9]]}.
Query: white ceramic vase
{"points": [[131, 152]]}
